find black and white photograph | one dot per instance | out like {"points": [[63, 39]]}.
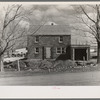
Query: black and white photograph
{"points": [[49, 44]]}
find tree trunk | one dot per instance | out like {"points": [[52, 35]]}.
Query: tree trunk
{"points": [[98, 52], [1, 64]]}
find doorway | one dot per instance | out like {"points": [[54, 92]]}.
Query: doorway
{"points": [[80, 54]]}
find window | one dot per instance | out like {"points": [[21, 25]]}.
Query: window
{"points": [[58, 50], [61, 39], [36, 50], [36, 39], [61, 50]]}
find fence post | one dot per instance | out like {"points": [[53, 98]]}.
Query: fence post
{"points": [[18, 66], [83, 61]]}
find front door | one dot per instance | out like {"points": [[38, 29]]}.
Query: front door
{"points": [[48, 52]]}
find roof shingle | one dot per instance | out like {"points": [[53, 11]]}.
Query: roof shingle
{"points": [[51, 30]]}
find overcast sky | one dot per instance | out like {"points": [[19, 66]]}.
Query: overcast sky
{"points": [[59, 14]]}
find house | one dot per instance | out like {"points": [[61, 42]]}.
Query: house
{"points": [[54, 42]]}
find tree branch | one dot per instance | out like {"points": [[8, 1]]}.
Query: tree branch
{"points": [[12, 33], [13, 18], [87, 15]]}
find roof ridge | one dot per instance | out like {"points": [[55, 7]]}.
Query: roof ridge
{"points": [[50, 25], [51, 30]]}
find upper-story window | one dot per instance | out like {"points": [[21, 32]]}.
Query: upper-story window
{"points": [[36, 39], [63, 50], [60, 39], [36, 50]]}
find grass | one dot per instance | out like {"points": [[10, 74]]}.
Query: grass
{"points": [[31, 73], [12, 72]]}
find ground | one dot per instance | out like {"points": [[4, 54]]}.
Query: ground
{"points": [[64, 79]]}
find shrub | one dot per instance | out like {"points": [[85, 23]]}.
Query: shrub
{"points": [[14, 65], [45, 65], [60, 65], [69, 64], [33, 63]]}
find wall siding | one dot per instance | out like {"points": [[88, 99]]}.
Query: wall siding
{"points": [[46, 41]]}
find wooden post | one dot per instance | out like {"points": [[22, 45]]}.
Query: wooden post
{"points": [[49, 69], [73, 54], [87, 54], [1, 64], [84, 61], [18, 66], [43, 53]]}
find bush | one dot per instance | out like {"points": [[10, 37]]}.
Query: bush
{"points": [[14, 65], [32, 64], [61, 65], [70, 64], [45, 65]]}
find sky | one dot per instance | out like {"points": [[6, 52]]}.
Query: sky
{"points": [[62, 15], [59, 14]]}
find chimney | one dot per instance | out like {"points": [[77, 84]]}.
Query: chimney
{"points": [[52, 23]]}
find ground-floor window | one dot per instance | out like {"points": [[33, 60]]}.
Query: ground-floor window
{"points": [[37, 50], [60, 50]]}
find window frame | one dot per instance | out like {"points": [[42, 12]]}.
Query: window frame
{"points": [[36, 38], [61, 50], [36, 50], [57, 50], [60, 39]]}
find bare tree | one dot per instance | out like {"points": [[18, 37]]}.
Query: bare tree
{"points": [[11, 30], [90, 17]]}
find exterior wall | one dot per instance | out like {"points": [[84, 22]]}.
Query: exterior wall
{"points": [[46, 41], [93, 52]]}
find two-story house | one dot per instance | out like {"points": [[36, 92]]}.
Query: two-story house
{"points": [[49, 42], [52, 41]]}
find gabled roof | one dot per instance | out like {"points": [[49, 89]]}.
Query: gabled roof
{"points": [[50, 30], [76, 39]]}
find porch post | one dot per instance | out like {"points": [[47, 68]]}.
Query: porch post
{"points": [[18, 65], [87, 54], [43, 53], [73, 53]]}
